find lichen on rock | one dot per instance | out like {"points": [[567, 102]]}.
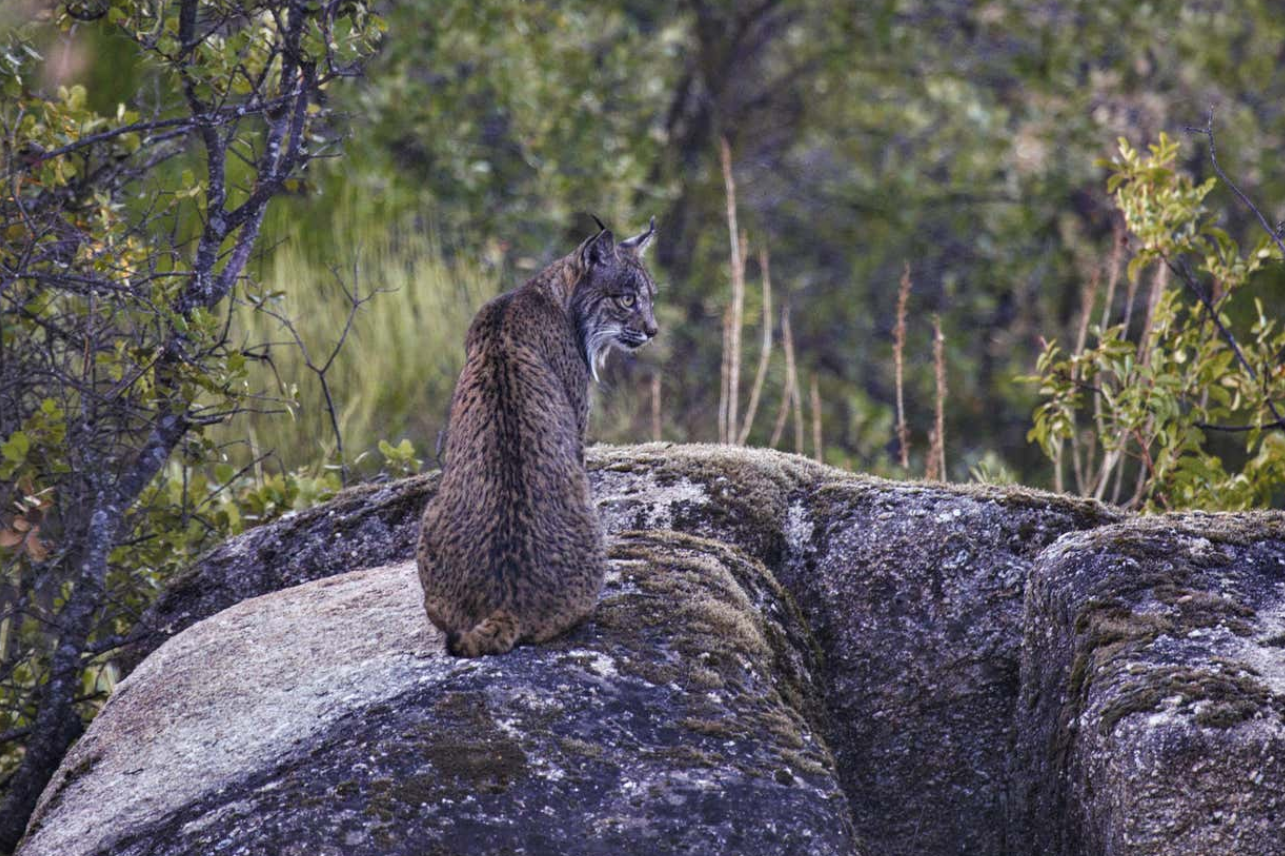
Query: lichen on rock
{"points": [[786, 659], [680, 720], [1153, 714]]}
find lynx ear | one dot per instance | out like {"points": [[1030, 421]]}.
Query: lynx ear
{"points": [[638, 243], [598, 249]]}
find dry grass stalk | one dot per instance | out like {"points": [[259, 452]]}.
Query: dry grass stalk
{"points": [[1130, 294], [765, 350], [817, 447], [898, 349], [655, 405], [1110, 458], [736, 240], [796, 391], [1088, 297], [1121, 241], [782, 413], [724, 375], [787, 393], [931, 472], [937, 453], [1158, 283], [1082, 459]]}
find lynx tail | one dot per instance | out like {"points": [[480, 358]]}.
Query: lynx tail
{"points": [[495, 635]]}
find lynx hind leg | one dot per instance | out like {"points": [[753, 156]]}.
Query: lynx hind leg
{"points": [[494, 635], [436, 614], [564, 622]]}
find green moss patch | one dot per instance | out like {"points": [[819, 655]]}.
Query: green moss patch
{"points": [[1219, 699]]}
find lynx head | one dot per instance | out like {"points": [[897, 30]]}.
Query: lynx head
{"points": [[613, 299]]}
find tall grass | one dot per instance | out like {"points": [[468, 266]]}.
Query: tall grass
{"points": [[392, 378]]}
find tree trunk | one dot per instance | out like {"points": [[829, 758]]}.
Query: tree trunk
{"points": [[57, 723]]}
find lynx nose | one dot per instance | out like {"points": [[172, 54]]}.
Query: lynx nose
{"points": [[650, 328]]}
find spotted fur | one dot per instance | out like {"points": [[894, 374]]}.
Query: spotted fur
{"points": [[510, 548]]}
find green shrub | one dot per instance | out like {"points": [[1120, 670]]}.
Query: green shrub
{"points": [[1151, 414]]}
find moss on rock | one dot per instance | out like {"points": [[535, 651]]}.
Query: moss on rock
{"points": [[1149, 694]]}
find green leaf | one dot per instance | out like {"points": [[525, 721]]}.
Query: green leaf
{"points": [[16, 447]]}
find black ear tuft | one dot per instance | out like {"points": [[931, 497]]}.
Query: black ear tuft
{"points": [[602, 227], [638, 243], [598, 249]]}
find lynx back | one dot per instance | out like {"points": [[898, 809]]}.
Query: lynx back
{"points": [[510, 548]]}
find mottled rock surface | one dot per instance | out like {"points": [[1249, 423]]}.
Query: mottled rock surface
{"points": [[327, 719], [789, 659], [915, 595], [1153, 690]]}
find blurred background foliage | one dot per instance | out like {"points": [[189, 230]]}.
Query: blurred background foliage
{"points": [[960, 137]]}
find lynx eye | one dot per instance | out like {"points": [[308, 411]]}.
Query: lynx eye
{"points": [[627, 300]]}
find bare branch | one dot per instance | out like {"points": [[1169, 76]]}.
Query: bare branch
{"points": [[1188, 278], [1208, 132]]}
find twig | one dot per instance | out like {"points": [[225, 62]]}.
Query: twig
{"points": [[1149, 469], [101, 646], [1235, 429], [898, 350], [1208, 132], [355, 302], [1189, 279], [765, 352], [14, 734]]}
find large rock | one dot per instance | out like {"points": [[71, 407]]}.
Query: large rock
{"points": [[327, 719], [737, 496], [1153, 690], [915, 595], [885, 673]]}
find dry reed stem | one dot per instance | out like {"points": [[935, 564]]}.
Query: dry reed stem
{"points": [[1130, 295], [1082, 459], [1088, 297], [1112, 458], [736, 239], [930, 463], [796, 391], [1113, 274], [1158, 283], [898, 349], [782, 413], [655, 405], [723, 376], [787, 392], [818, 448], [938, 450], [765, 351]]}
